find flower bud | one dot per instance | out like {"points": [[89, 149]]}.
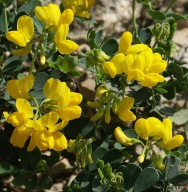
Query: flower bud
{"points": [[107, 116], [95, 104], [115, 106], [98, 115], [140, 159], [100, 91]]}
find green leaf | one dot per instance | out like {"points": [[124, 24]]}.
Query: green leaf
{"points": [[171, 166], [6, 168], [19, 179], [38, 24], [157, 15], [180, 180], [142, 95], [130, 174], [2, 21], [177, 70], [147, 178], [145, 35], [161, 90], [159, 50], [66, 63], [29, 6], [94, 38], [177, 16], [53, 158], [31, 182], [180, 117], [171, 92], [114, 157], [82, 63], [46, 182], [110, 46], [12, 67]]}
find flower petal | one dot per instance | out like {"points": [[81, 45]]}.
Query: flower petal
{"points": [[24, 106], [26, 27], [67, 46], [48, 120], [142, 128], [60, 141], [75, 98], [125, 104], [16, 37], [125, 42], [66, 17], [70, 113], [109, 68], [176, 141], [61, 34]]}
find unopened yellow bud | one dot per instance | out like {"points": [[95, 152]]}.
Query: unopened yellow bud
{"points": [[141, 158], [89, 153], [122, 138], [42, 59]]}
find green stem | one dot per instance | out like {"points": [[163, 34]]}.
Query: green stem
{"points": [[5, 18], [134, 18], [36, 52], [15, 7], [170, 5]]}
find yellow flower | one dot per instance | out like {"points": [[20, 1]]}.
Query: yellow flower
{"points": [[121, 137], [52, 17], [150, 127], [79, 7], [170, 142], [47, 134], [123, 109], [23, 36], [145, 68], [114, 66], [20, 88], [66, 101], [63, 45], [22, 122]]}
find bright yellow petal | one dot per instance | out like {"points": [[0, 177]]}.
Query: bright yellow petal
{"points": [[12, 88], [48, 120], [167, 130], [176, 141], [142, 128], [20, 135], [24, 106], [26, 27], [32, 144], [158, 65], [67, 46], [121, 137], [127, 116], [61, 34], [109, 68], [135, 74], [17, 119], [66, 17], [60, 141], [44, 139], [25, 85], [55, 13], [70, 113], [16, 37], [125, 104], [118, 61], [125, 42], [75, 98], [58, 126], [128, 63], [136, 49], [140, 62], [156, 128]]}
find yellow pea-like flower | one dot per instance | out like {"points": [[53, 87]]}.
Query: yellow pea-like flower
{"points": [[23, 36], [52, 17], [170, 142], [20, 88], [122, 138], [79, 7], [123, 109], [66, 101]]}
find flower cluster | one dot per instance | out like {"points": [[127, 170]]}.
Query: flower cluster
{"points": [[79, 7], [107, 100], [53, 20], [42, 123], [153, 131], [137, 62]]}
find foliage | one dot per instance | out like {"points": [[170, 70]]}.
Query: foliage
{"points": [[125, 139]]}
